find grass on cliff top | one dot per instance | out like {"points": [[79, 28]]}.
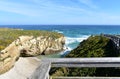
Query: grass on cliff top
{"points": [[94, 46], [8, 35]]}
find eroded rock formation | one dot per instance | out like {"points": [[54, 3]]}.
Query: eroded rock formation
{"points": [[29, 46]]}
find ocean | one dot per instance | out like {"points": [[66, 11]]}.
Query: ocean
{"points": [[74, 34]]}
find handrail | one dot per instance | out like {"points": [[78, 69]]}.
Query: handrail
{"points": [[42, 72], [85, 78]]}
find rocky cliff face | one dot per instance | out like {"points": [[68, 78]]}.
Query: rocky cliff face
{"points": [[29, 46]]}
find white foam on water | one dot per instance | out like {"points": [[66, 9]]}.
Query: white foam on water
{"points": [[66, 50], [58, 31], [70, 40]]}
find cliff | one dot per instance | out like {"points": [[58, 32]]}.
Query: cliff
{"points": [[29, 46], [94, 46]]}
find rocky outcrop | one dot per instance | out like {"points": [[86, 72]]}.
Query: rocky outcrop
{"points": [[40, 45], [29, 46]]}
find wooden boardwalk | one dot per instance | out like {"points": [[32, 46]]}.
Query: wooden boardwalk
{"points": [[115, 39]]}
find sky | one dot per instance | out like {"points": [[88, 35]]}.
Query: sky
{"points": [[70, 12]]}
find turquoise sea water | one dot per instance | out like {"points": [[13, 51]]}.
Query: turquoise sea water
{"points": [[74, 34]]}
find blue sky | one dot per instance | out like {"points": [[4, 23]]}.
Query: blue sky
{"points": [[60, 12]]}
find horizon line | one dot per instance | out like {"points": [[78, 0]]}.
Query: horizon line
{"points": [[59, 24]]}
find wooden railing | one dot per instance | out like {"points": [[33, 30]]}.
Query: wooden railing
{"points": [[42, 72], [85, 78]]}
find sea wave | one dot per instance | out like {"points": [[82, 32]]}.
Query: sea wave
{"points": [[58, 31], [66, 51], [70, 40]]}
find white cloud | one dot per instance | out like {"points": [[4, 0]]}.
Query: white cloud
{"points": [[89, 3], [22, 8], [41, 8], [49, 10]]}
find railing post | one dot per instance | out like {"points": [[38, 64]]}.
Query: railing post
{"points": [[48, 76], [42, 72]]}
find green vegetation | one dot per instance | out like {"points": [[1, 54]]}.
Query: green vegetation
{"points": [[94, 46], [7, 35]]}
